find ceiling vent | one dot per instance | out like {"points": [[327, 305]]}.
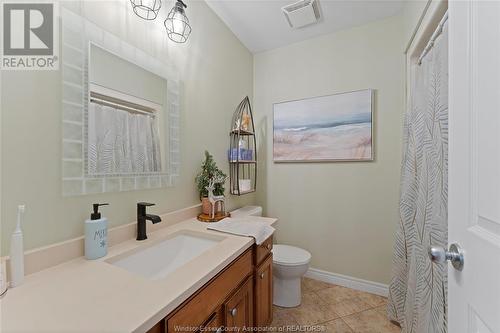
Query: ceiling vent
{"points": [[302, 13]]}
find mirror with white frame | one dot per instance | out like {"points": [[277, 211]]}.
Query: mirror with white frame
{"points": [[120, 113]]}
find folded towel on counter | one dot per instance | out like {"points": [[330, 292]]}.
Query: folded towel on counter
{"points": [[244, 226]]}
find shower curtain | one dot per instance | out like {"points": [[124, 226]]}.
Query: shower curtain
{"points": [[121, 142], [418, 289]]}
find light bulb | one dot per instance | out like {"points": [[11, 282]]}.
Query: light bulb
{"points": [[178, 24]]}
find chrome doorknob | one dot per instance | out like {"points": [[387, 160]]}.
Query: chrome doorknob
{"points": [[233, 312], [455, 255]]}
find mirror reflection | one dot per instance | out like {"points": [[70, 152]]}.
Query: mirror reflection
{"points": [[126, 117]]}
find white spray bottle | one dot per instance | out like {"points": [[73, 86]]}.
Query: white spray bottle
{"points": [[17, 252]]}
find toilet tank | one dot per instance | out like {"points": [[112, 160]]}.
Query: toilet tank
{"points": [[247, 211]]}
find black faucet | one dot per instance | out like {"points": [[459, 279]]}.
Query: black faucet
{"points": [[141, 219]]}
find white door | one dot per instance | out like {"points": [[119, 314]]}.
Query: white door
{"points": [[474, 165]]}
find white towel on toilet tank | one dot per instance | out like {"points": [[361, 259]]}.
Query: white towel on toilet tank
{"points": [[244, 226]]}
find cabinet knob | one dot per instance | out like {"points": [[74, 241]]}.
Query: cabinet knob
{"points": [[233, 312], [262, 275], [268, 246], [219, 330]]}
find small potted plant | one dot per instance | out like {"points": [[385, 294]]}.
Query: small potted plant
{"points": [[209, 171]]}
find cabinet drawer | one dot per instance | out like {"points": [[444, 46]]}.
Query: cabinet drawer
{"points": [[263, 250], [195, 311], [215, 322]]}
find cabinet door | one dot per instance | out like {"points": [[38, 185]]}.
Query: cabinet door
{"points": [[264, 293], [239, 307]]}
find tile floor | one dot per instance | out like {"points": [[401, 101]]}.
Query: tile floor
{"points": [[337, 309]]}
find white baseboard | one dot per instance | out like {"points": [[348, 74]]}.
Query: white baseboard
{"points": [[348, 281]]}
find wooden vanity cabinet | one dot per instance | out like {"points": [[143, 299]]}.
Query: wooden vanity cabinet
{"points": [[239, 296], [196, 311]]}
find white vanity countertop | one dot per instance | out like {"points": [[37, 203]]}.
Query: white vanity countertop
{"points": [[95, 296]]}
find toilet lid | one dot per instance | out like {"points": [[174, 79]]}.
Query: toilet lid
{"points": [[290, 255]]}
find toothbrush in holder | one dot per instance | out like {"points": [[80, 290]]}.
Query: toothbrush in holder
{"points": [[17, 251]]}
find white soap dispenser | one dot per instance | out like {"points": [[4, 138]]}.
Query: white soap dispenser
{"points": [[96, 234], [17, 252]]}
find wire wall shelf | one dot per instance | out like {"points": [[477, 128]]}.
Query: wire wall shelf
{"points": [[242, 153]]}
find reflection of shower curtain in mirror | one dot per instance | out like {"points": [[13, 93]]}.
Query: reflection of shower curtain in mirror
{"points": [[121, 142], [417, 293]]}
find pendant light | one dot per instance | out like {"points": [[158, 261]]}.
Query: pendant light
{"points": [[177, 23], [146, 9]]}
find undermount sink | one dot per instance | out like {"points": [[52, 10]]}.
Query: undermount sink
{"points": [[161, 258]]}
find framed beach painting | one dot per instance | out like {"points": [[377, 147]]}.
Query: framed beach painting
{"points": [[337, 127]]}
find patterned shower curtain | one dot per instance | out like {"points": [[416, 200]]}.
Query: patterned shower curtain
{"points": [[121, 142], [417, 293]]}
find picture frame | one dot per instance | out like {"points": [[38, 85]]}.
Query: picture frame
{"points": [[331, 128]]}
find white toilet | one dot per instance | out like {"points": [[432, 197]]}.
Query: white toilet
{"points": [[247, 211], [290, 263]]}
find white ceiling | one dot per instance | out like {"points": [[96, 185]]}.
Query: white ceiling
{"points": [[260, 24]]}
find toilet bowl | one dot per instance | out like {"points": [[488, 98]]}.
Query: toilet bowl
{"points": [[290, 263]]}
